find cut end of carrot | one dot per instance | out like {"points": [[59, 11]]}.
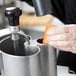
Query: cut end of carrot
{"points": [[48, 26]]}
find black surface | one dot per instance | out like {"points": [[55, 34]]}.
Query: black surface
{"points": [[7, 46], [65, 10], [67, 59], [42, 7], [13, 16]]}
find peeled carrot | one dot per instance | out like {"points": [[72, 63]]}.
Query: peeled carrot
{"points": [[48, 26]]}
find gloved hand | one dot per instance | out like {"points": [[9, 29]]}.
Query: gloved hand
{"points": [[63, 38]]}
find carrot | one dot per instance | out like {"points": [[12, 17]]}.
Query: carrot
{"points": [[48, 26]]}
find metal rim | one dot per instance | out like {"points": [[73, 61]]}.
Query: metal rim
{"points": [[22, 56]]}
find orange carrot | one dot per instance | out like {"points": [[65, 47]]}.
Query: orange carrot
{"points": [[48, 26]]}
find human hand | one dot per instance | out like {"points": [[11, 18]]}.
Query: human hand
{"points": [[63, 38]]}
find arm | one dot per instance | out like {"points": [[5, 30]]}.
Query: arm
{"points": [[56, 8]]}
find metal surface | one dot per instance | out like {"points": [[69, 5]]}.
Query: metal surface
{"points": [[35, 33], [6, 32], [28, 65], [11, 62], [14, 30], [48, 59], [61, 71], [42, 7], [48, 55]]}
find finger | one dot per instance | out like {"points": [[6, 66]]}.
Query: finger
{"points": [[62, 29], [74, 46], [64, 45], [72, 28], [61, 37], [58, 30], [67, 49], [60, 43]]}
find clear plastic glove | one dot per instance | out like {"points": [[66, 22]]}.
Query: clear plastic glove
{"points": [[63, 38]]}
